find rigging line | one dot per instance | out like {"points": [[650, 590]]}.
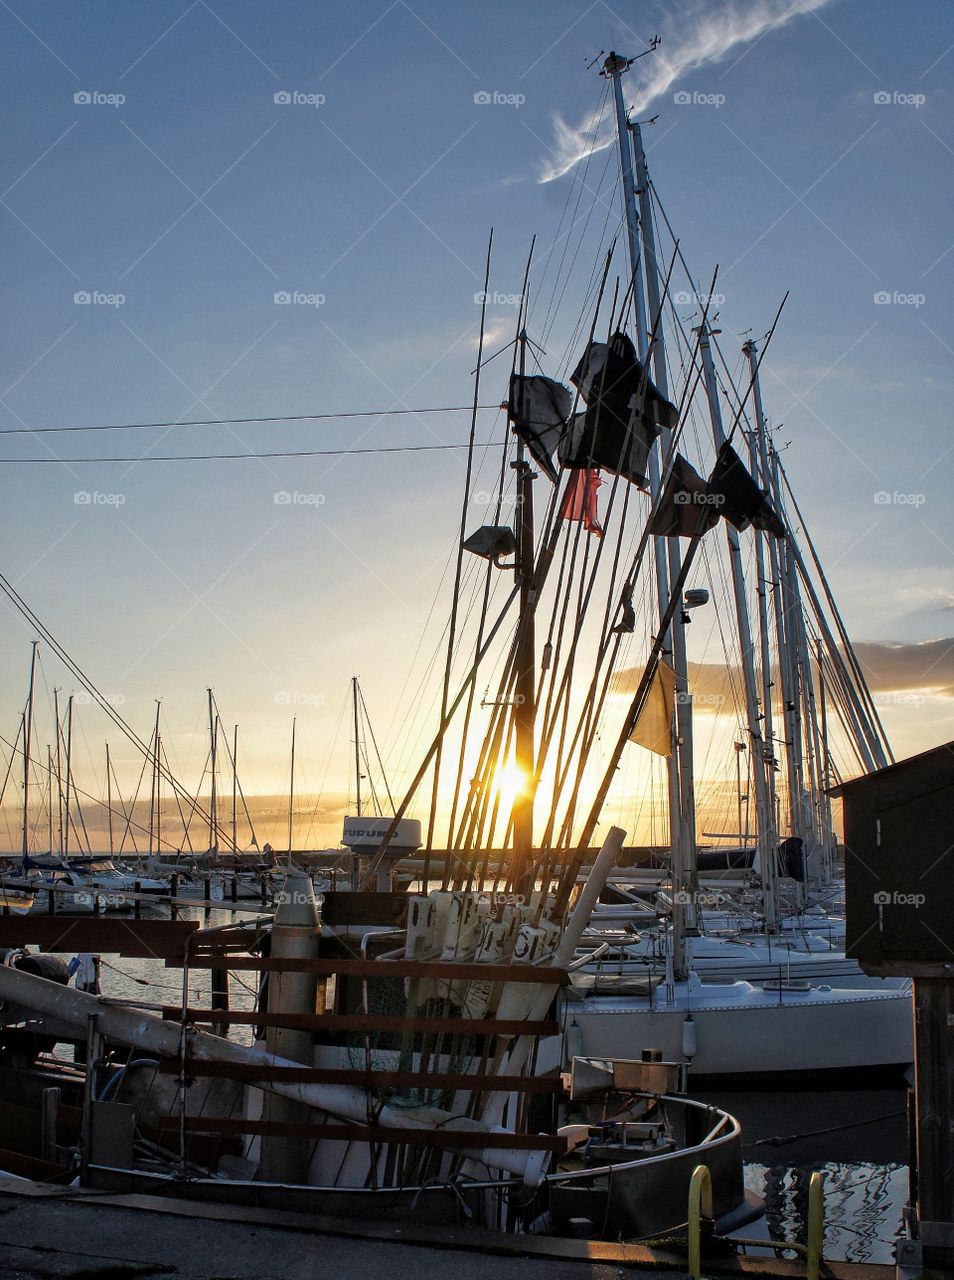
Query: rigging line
{"points": [[853, 660], [374, 743], [458, 569], [225, 422], [634, 570], [231, 457], [104, 704], [79, 791]]}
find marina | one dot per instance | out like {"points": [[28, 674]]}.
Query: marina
{"points": [[609, 925]]}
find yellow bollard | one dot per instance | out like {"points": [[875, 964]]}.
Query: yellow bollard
{"points": [[816, 1224], [700, 1203]]}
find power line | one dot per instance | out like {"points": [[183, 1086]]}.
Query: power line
{"points": [[220, 457], [225, 422]]}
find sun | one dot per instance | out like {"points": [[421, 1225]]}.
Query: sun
{"points": [[511, 783]]}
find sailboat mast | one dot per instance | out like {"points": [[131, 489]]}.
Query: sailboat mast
{"points": [[213, 795], [524, 683], [235, 789], [357, 746], [787, 671], [682, 796], [765, 818], [69, 775], [59, 768], [27, 743], [109, 799], [291, 787], [155, 781], [636, 229], [49, 784]]}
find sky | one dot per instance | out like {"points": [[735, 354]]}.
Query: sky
{"points": [[245, 211]]}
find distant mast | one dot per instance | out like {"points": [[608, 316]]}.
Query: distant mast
{"points": [[213, 796], [357, 746], [27, 743], [291, 787]]}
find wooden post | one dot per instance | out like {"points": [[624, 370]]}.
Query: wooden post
{"points": [[934, 1105]]}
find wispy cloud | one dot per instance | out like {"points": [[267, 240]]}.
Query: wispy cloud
{"points": [[696, 34]]}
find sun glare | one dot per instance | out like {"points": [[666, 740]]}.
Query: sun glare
{"points": [[511, 783]]}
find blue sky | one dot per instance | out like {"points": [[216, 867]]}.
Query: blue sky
{"points": [[814, 154]]}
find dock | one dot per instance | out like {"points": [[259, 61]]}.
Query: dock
{"points": [[57, 1233]]}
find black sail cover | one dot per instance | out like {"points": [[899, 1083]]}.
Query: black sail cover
{"points": [[686, 506], [624, 412], [743, 502], [691, 505], [538, 409]]}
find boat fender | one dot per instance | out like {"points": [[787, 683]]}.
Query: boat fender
{"points": [[689, 1041]]}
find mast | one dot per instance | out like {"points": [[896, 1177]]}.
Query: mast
{"points": [[213, 796], [682, 798], [235, 789], [154, 788], [109, 800], [59, 768], [765, 817], [640, 236], [291, 787], [69, 775], [27, 743], [49, 784], [524, 682], [762, 590], [357, 746], [783, 616]]}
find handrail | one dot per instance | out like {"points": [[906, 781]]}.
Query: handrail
{"points": [[700, 1203], [816, 1224]]}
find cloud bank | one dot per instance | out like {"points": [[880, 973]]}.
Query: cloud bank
{"points": [[699, 34], [890, 669]]}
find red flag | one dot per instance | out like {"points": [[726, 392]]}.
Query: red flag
{"points": [[579, 499]]}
